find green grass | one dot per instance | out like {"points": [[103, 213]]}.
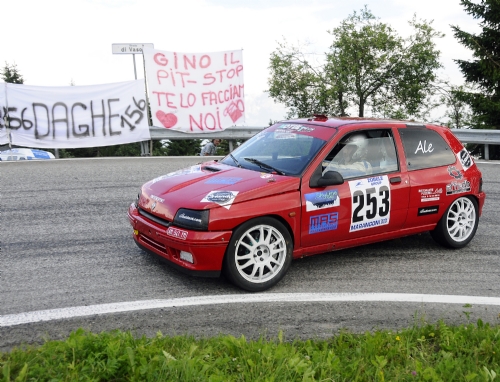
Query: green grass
{"points": [[421, 353]]}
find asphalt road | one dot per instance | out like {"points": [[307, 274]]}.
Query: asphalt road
{"points": [[66, 242]]}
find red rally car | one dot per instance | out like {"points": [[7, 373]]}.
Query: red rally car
{"points": [[309, 186]]}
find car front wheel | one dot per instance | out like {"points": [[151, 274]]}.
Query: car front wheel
{"points": [[458, 225], [259, 254]]}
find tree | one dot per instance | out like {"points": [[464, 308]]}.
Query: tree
{"points": [[10, 74], [183, 147], [458, 113], [484, 70], [369, 67]]}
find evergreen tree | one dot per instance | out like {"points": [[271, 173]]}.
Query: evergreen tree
{"points": [[184, 147], [128, 150], [223, 148], [484, 70], [10, 74]]}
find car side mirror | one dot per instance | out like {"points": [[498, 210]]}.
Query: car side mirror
{"points": [[329, 178]]}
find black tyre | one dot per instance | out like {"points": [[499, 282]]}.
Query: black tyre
{"points": [[458, 225], [259, 254]]}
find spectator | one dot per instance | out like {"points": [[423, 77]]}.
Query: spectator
{"points": [[210, 148]]}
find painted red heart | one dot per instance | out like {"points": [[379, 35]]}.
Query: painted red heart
{"points": [[167, 119]]}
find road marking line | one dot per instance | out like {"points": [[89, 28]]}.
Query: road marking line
{"points": [[120, 307]]}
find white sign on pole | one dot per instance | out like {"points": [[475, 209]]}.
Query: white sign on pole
{"points": [[130, 48]]}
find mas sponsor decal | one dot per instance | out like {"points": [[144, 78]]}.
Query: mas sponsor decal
{"points": [[323, 199], [457, 187], [454, 172], [465, 159], [222, 180], [178, 233], [222, 198], [370, 202], [324, 222], [430, 194], [428, 210]]}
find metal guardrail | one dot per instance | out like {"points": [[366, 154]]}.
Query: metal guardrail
{"points": [[231, 134], [479, 136]]}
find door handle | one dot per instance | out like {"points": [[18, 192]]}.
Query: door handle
{"points": [[396, 179]]}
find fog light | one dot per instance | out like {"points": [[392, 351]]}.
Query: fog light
{"points": [[186, 256], [136, 233]]}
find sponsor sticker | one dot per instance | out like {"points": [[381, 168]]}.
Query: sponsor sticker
{"points": [[430, 194], [324, 222], [324, 199], [178, 233], [191, 218], [184, 171], [222, 198], [293, 127], [428, 210], [284, 135], [370, 202], [157, 198], [222, 180], [454, 172], [457, 187], [465, 159], [265, 175]]}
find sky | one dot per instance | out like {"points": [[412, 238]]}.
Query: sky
{"points": [[64, 42]]}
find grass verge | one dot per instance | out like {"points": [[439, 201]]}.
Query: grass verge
{"points": [[421, 353]]}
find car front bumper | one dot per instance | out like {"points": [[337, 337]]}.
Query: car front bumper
{"points": [[207, 248]]}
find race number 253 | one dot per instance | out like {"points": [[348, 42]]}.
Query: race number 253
{"points": [[371, 201]]}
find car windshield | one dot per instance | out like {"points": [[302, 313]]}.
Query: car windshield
{"points": [[276, 151]]}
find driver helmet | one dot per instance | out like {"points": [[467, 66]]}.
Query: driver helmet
{"points": [[358, 141]]}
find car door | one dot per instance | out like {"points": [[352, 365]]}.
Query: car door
{"points": [[432, 167], [366, 204]]}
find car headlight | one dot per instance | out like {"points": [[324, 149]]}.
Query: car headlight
{"points": [[192, 219]]}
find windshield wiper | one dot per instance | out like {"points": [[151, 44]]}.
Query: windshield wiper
{"points": [[264, 165], [235, 160]]}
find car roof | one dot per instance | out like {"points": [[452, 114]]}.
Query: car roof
{"points": [[336, 122]]}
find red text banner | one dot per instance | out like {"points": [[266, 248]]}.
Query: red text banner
{"points": [[195, 92]]}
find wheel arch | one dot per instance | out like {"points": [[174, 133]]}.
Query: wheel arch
{"points": [[234, 274], [274, 216]]}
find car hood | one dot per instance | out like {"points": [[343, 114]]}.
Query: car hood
{"points": [[210, 185]]}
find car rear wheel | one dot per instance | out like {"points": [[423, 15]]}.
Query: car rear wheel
{"points": [[259, 254], [458, 225]]}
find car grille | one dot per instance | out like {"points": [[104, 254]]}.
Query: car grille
{"points": [[154, 218], [153, 243]]}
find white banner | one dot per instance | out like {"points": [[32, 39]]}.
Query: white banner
{"points": [[3, 107], [195, 92], [76, 116]]}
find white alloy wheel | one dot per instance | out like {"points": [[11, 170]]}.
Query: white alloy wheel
{"points": [[259, 254], [461, 219], [458, 225]]}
